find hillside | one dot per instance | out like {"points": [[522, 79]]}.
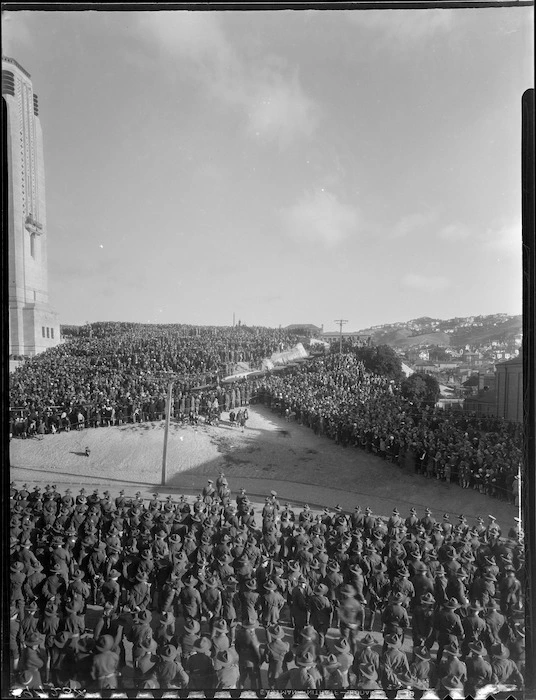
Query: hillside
{"points": [[456, 332]]}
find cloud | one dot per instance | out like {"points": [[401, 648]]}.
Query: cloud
{"points": [[503, 241], [454, 232], [16, 33], [396, 28], [425, 283], [260, 87], [409, 224], [320, 217]]}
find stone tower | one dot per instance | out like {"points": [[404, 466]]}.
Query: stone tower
{"points": [[33, 325]]}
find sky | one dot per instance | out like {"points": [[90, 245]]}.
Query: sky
{"points": [[282, 166]]}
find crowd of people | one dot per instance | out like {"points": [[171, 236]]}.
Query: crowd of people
{"points": [[113, 373], [335, 396], [213, 593]]}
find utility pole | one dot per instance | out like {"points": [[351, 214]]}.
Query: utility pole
{"points": [[341, 322], [166, 432]]}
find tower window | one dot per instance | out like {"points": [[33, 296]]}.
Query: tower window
{"points": [[52, 333], [32, 246], [8, 83], [43, 329], [36, 105], [48, 332]]}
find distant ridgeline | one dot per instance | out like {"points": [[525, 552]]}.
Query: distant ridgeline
{"points": [[454, 332]]}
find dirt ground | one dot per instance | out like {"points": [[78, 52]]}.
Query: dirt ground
{"points": [[269, 454]]}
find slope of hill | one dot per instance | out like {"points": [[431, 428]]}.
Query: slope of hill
{"points": [[458, 332]]}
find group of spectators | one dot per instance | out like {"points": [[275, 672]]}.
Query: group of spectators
{"points": [[335, 396], [113, 373], [211, 593]]}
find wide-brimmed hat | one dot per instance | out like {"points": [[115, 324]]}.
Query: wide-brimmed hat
{"points": [[427, 599], [331, 663], [499, 651], [477, 648], [145, 616], [368, 671], [451, 604], [321, 589], [61, 639], [203, 644], [342, 645], [422, 652], [368, 640], [452, 682], [277, 632], [305, 659], [220, 626], [190, 581], [224, 658], [142, 577], [451, 649], [251, 584], [192, 626], [33, 639], [250, 623], [105, 643], [270, 585], [392, 640], [308, 632]]}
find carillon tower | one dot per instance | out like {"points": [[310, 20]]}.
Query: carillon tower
{"points": [[33, 325]]}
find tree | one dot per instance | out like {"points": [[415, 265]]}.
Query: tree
{"points": [[381, 359], [421, 389]]}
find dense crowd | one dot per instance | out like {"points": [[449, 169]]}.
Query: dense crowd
{"points": [[116, 372], [209, 593], [337, 397]]}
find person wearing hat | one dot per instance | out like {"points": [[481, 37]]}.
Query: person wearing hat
{"points": [[367, 677], [494, 621], [483, 587], [30, 621], [62, 660], [26, 681], [448, 626], [321, 609], [249, 654], [219, 636], [452, 686], [517, 646], [378, 592], [139, 596], [422, 624], [473, 625], [394, 665], [351, 615], [305, 676], [105, 665], [32, 657], [510, 591], [227, 671], [230, 605], [249, 599], [395, 618], [271, 604], [333, 677], [16, 638], [504, 669], [187, 640], [422, 670], [479, 671], [211, 602], [17, 579], [276, 653], [200, 667], [110, 591], [451, 663], [366, 654]]}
